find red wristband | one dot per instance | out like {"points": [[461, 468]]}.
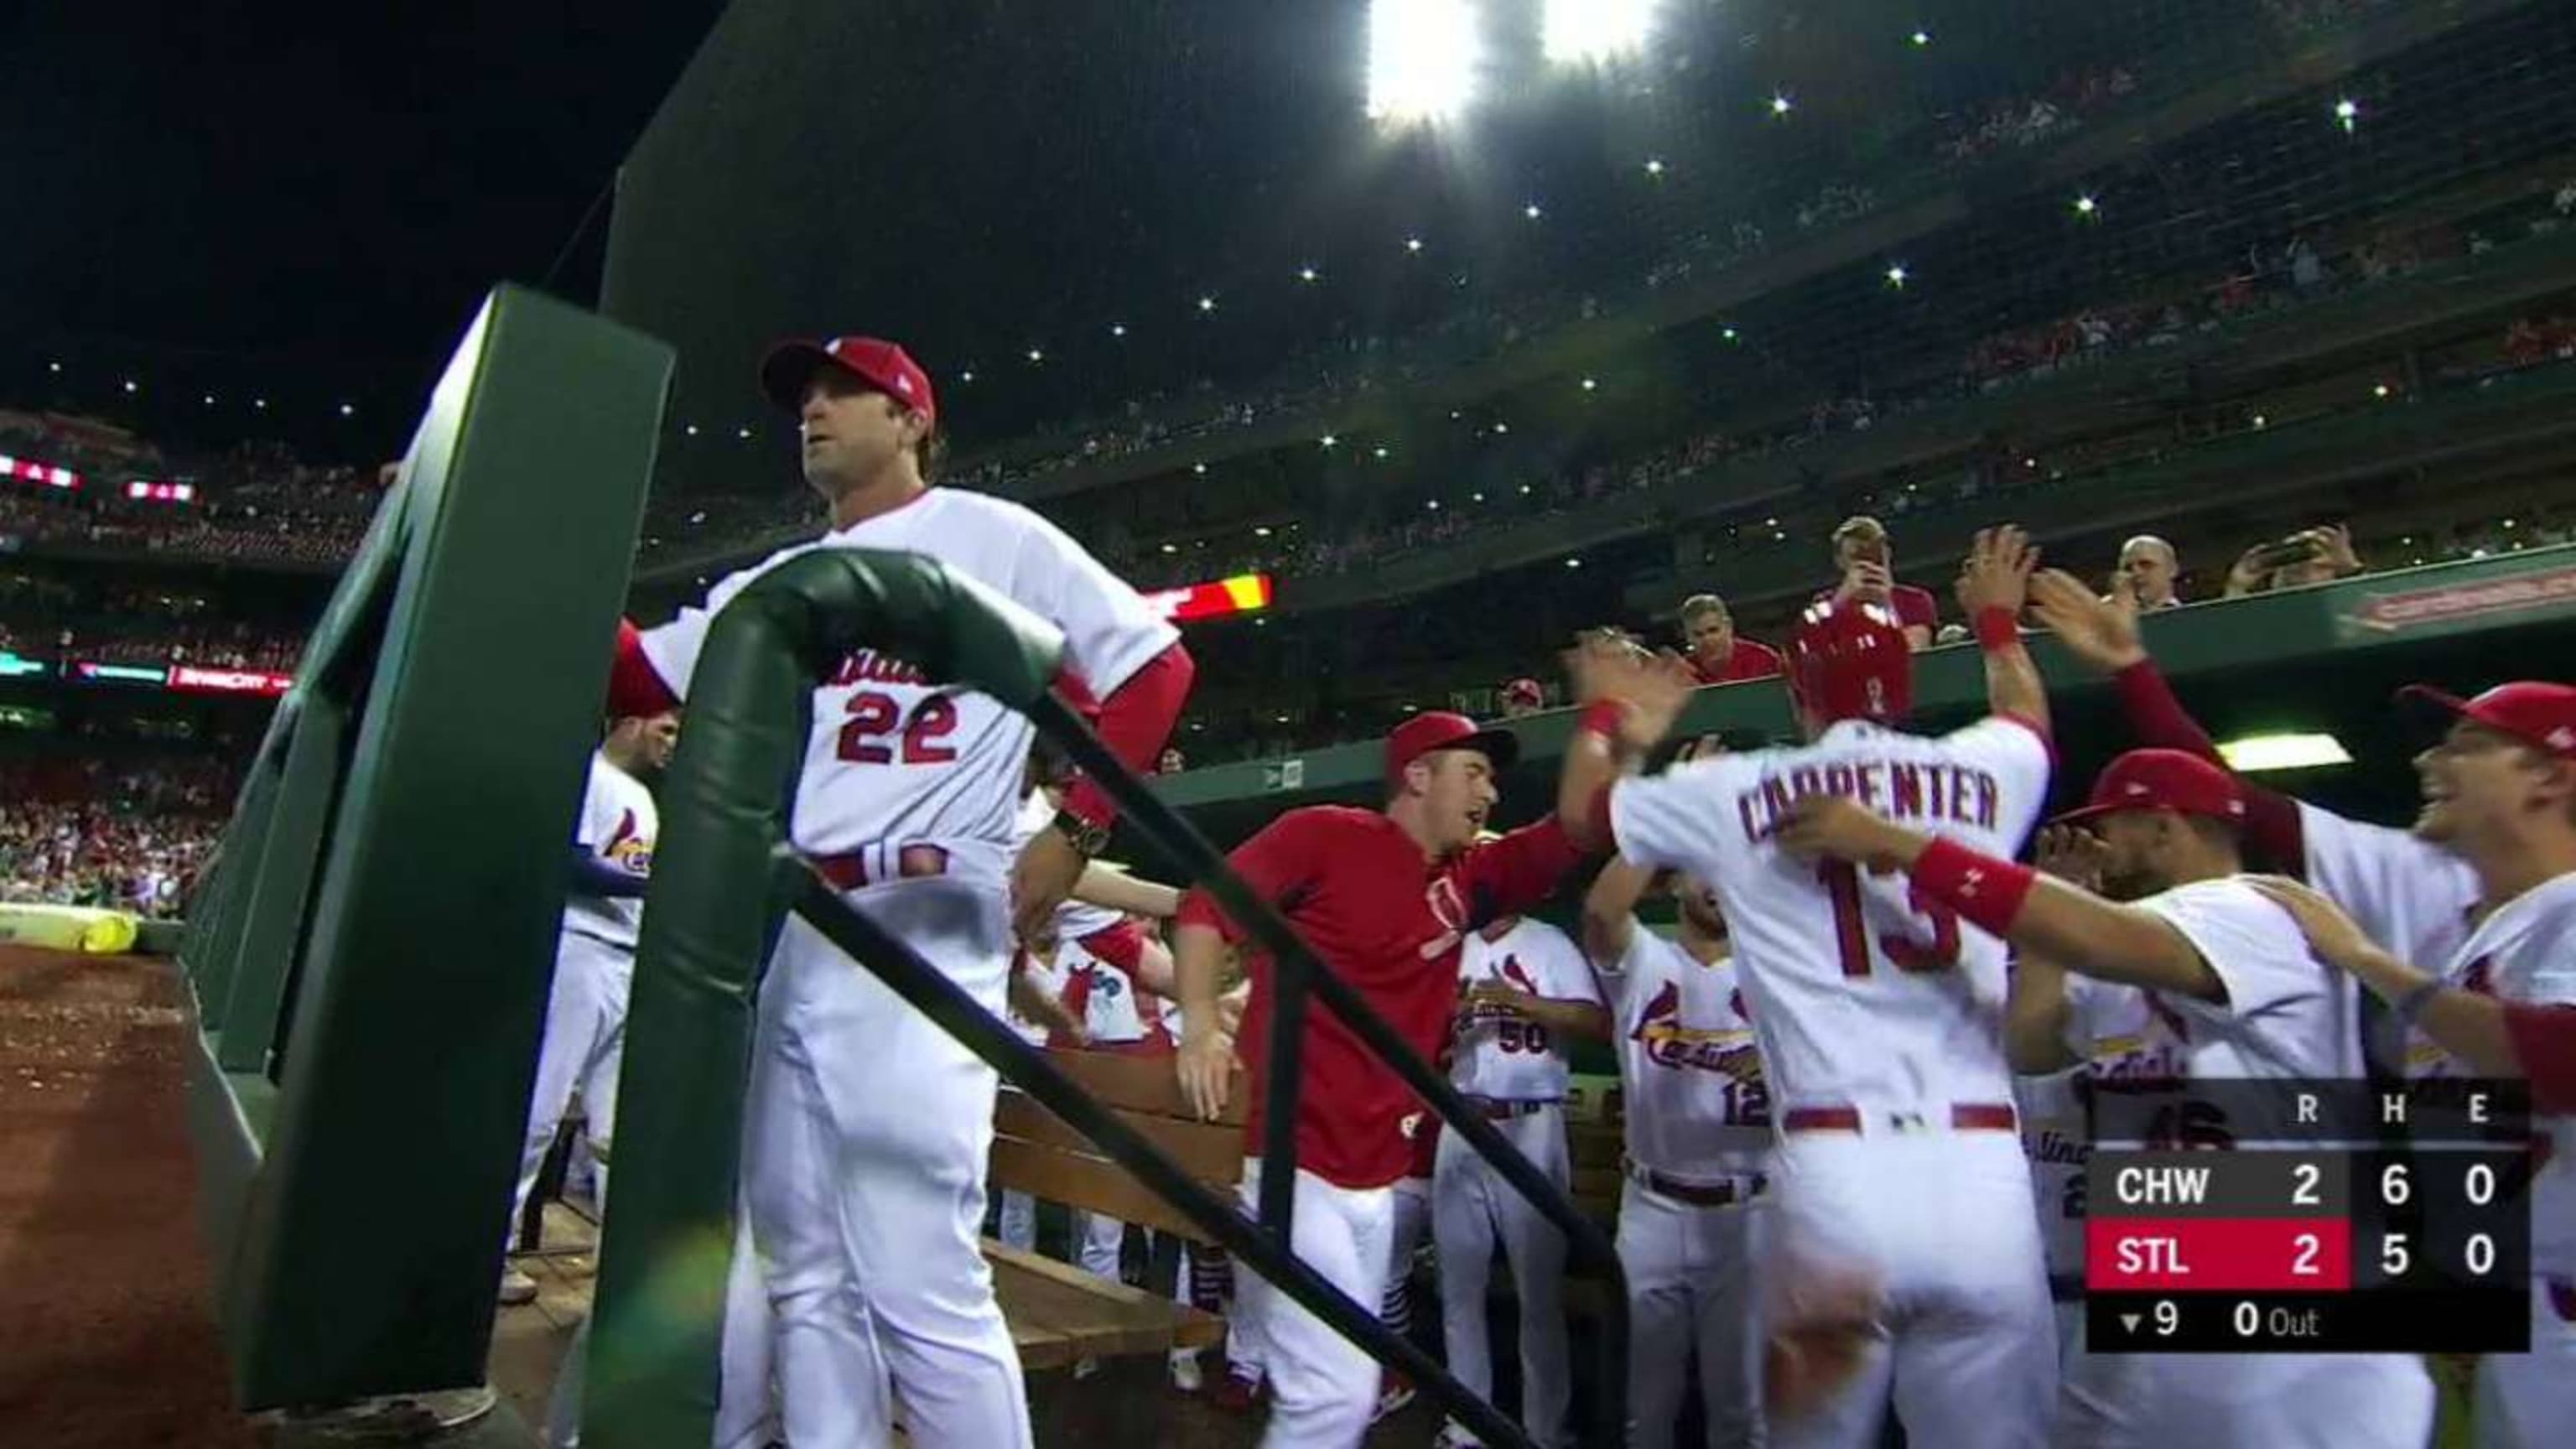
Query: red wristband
{"points": [[1997, 629], [1984, 892], [1604, 717]]}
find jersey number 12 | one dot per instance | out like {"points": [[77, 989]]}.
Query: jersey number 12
{"points": [[1851, 933]]}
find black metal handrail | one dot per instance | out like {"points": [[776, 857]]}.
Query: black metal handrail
{"points": [[1299, 976]]}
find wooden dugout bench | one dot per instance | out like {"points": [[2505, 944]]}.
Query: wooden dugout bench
{"points": [[1058, 1313]]}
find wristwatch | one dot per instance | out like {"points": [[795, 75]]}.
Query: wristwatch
{"points": [[1085, 837]]}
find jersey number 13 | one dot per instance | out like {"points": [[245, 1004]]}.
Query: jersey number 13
{"points": [[1905, 953]]}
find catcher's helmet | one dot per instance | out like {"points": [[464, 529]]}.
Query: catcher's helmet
{"points": [[1851, 661]]}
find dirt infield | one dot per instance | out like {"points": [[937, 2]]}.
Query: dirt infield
{"points": [[106, 1334]]}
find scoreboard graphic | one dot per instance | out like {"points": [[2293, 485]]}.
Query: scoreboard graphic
{"points": [[2309, 1217]]}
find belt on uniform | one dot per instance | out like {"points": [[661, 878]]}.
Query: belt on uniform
{"points": [[1495, 1109], [866, 867], [1964, 1117], [1691, 1194]]}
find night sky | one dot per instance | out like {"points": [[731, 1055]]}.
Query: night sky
{"points": [[305, 198]]}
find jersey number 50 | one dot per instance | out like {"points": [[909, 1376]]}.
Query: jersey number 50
{"points": [[1851, 933], [875, 718]]}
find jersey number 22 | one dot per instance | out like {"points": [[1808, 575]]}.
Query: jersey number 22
{"points": [[877, 727]]}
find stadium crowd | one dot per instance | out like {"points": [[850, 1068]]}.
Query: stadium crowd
{"points": [[90, 833]]}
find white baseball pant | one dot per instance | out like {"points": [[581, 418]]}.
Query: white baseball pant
{"points": [[1471, 1208], [866, 1133], [1691, 1275], [1018, 1227], [2261, 1401], [1403, 1241], [2528, 1400], [584, 1041], [1100, 1245], [1323, 1388], [1941, 1221]]}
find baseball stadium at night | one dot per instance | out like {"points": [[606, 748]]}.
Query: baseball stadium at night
{"points": [[1560, 723]]}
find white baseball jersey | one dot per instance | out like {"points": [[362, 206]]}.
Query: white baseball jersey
{"points": [[895, 758], [2059, 1142], [1496, 1053], [1859, 996], [618, 825], [2526, 951], [1115, 1010], [2412, 897], [2286, 1014], [1697, 1106]]}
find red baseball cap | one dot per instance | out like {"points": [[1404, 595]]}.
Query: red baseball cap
{"points": [[2163, 780], [1441, 730], [880, 364], [2530, 710]]}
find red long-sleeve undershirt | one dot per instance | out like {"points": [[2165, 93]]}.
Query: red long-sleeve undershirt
{"points": [[2272, 827], [2544, 1039], [1135, 721]]}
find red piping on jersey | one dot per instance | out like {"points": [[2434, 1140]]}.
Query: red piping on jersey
{"points": [[635, 687], [2544, 1041], [1135, 722]]}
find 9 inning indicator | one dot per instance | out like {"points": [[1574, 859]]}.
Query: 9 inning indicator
{"points": [[2263, 1251]]}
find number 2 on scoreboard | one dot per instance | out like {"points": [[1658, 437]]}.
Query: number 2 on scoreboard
{"points": [[1851, 933]]}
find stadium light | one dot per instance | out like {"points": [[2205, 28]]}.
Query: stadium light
{"points": [[1591, 384], [1654, 165], [1780, 104], [1037, 354], [1922, 38], [259, 403], [347, 411], [1207, 304], [1532, 211], [1117, 329], [2256, 753], [129, 386], [2347, 114], [1593, 31], [1413, 244], [1422, 60], [1309, 274], [55, 368], [2086, 206], [967, 376], [1896, 276]]}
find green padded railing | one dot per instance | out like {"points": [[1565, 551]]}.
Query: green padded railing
{"points": [[721, 885]]}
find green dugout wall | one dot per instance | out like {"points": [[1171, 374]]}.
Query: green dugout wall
{"points": [[370, 959]]}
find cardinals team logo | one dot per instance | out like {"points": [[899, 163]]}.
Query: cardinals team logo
{"points": [[1727, 1051], [1450, 910], [627, 849]]}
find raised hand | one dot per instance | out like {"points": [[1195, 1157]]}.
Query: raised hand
{"points": [[2101, 632], [1997, 572], [1651, 689]]}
